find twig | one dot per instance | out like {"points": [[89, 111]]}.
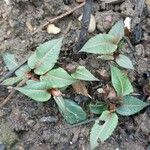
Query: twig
{"points": [[12, 93], [9, 74], [129, 43], [81, 123], [85, 24], [58, 17], [130, 46]]}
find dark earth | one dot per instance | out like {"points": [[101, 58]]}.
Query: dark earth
{"points": [[23, 125]]}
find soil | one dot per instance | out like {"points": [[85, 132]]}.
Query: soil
{"points": [[28, 125]]}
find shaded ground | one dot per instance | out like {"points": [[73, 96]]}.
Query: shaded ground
{"points": [[21, 117]]}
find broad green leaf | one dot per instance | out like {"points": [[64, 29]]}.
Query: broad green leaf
{"points": [[37, 91], [98, 108], [117, 31], [58, 78], [124, 62], [103, 131], [45, 56], [82, 73], [120, 82], [130, 105], [10, 61], [22, 71], [30, 82], [71, 111], [106, 57], [100, 44], [11, 81]]}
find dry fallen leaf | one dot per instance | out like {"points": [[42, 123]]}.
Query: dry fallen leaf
{"points": [[80, 88], [108, 92]]}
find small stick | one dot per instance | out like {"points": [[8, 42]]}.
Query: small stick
{"points": [[81, 123], [85, 25], [58, 17], [9, 74], [129, 43], [130, 46], [12, 93]]}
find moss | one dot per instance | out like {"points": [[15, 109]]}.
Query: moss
{"points": [[7, 136]]}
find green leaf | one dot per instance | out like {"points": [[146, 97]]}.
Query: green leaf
{"points": [[100, 44], [45, 56], [11, 81], [82, 73], [37, 91], [103, 131], [58, 78], [98, 108], [71, 112], [117, 30], [130, 105], [106, 57], [10, 61], [30, 82], [124, 62], [22, 71], [120, 82]]}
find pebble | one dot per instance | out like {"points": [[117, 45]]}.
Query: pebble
{"points": [[80, 1], [49, 119], [52, 29], [92, 25]]}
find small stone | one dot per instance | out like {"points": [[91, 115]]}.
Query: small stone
{"points": [[140, 50], [80, 1], [52, 29], [92, 25], [105, 20], [49, 119], [2, 147]]}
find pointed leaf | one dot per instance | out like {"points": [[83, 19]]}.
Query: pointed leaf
{"points": [[37, 91], [104, 131], [45, 56], [71, 112], [82, 73], [22, 71], [11, 81], [117, 31], [124, 62], [58, 78], [120, 82], [98, 108], [130, 106], [30, 82], [100, 44], [10, 61]]}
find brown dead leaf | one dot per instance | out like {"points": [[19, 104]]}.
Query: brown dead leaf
{"points": [[107, 92], [112, 93], [80, 88]]}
